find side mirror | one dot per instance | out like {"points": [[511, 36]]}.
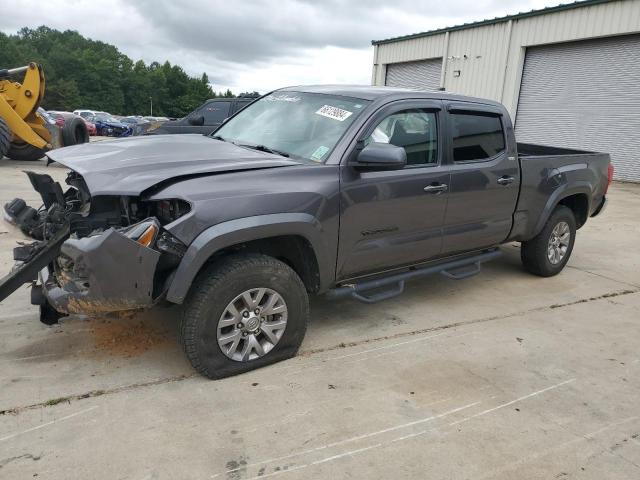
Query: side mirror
{"points": [[196, 120], [380, 156]]}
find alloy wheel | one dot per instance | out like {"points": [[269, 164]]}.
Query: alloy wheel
{"points": [[252, 324], [558, 243]]}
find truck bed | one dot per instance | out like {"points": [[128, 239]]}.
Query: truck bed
{"points": [[532, 150], [550, 174]]}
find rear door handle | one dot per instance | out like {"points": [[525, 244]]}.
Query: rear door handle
{"points": [[506, 180], [436, 188]]}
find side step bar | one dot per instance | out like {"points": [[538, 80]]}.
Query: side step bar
{"points": [[454, 269]]}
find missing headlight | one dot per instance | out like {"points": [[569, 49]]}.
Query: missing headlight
{"points": [[169, 210], [166, 210]]}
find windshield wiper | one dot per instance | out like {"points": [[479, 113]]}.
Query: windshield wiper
{"points": [[218, 137], [264, 148]]}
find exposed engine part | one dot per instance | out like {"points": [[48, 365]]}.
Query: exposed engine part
{"points": [[86, 246]]}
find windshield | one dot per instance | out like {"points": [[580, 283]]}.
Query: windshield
{"points": [[300, 125]]}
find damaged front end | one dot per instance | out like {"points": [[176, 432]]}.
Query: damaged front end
{"points": [[92, 255]]}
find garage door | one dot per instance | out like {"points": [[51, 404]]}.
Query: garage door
{"points": [[422, 75], [585, 95]]}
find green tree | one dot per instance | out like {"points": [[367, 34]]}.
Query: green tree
{"points": [[84, 73], [61, 94]]}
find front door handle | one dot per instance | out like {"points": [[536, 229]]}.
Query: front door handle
{"points": [[436, 188], [506, 180]]}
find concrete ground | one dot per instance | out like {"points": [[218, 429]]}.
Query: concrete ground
{"points": [[504, 375]]}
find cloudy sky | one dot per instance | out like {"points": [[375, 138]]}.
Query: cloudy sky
{"points": [[258, 45]]}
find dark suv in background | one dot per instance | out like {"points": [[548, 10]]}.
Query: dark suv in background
{"points": [[206, 118]]}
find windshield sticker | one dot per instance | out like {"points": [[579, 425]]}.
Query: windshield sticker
{"points": [[320, 152], [282, 97], [334, 113]]}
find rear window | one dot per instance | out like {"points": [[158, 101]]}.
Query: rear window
{"points": [[215, 112], [476, 136]]}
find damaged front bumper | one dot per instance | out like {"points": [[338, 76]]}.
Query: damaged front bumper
{"points": [[102, 273], [89, 261]]}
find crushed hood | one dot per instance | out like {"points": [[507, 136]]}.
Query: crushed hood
{"points": [[131, 165]]}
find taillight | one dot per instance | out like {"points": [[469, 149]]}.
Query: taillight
{"points": [[609, 177]]}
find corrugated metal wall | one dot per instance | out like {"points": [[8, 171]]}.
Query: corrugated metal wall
{"points": [[585, 95], [489, 58]]}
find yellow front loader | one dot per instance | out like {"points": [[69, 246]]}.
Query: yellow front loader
{"points": [[24, 133]]}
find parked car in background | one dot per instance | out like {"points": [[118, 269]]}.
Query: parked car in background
{"points": [[57, 117], [60, 117], [86, 113], [73, 128], [139, 125], [91, 128], [204, 119], [107, 125], [157, 119]]}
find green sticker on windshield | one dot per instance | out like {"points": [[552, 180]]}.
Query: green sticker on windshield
{"points": [[320, 152]]}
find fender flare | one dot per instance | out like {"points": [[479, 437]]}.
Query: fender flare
{"points": [[555, 198], [225, 234]]}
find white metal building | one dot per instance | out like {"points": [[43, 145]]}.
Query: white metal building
{"points": [[569, 75]]}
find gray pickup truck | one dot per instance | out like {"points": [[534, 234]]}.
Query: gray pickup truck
{"points": [[342, 191]]}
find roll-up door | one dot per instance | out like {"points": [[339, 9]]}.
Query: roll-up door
{"points": [[421, 75], [584, 95]]}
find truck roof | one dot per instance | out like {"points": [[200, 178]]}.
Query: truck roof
{"points": [[367, 92]]}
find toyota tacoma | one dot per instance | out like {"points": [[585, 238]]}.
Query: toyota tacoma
{"points": [[341, 191]]}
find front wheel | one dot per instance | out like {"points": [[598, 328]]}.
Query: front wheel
{"points": [[548, 252], [243, 312]]}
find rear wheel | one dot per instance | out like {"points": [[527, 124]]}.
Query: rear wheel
{"points": [[74, 132], [548, 252], [24, 151], [243, 312], [5, 138]]}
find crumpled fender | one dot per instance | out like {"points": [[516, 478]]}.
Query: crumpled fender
{"points": [[230, 233]]}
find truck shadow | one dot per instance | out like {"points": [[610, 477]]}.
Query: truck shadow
{"points": [[155, 332], [429, 303]]}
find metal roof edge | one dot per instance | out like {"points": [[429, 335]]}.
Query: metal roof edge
{"points": [[492, 21]]}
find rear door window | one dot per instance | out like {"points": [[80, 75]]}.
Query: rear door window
{"points": [[476, 136]]}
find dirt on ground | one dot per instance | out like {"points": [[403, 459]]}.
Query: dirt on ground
{"points": [[129, 334]]}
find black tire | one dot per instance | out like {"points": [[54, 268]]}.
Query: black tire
{"points": [[218, 285], [24, 151], [5, 138], [74, 132], [534, 253]]}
